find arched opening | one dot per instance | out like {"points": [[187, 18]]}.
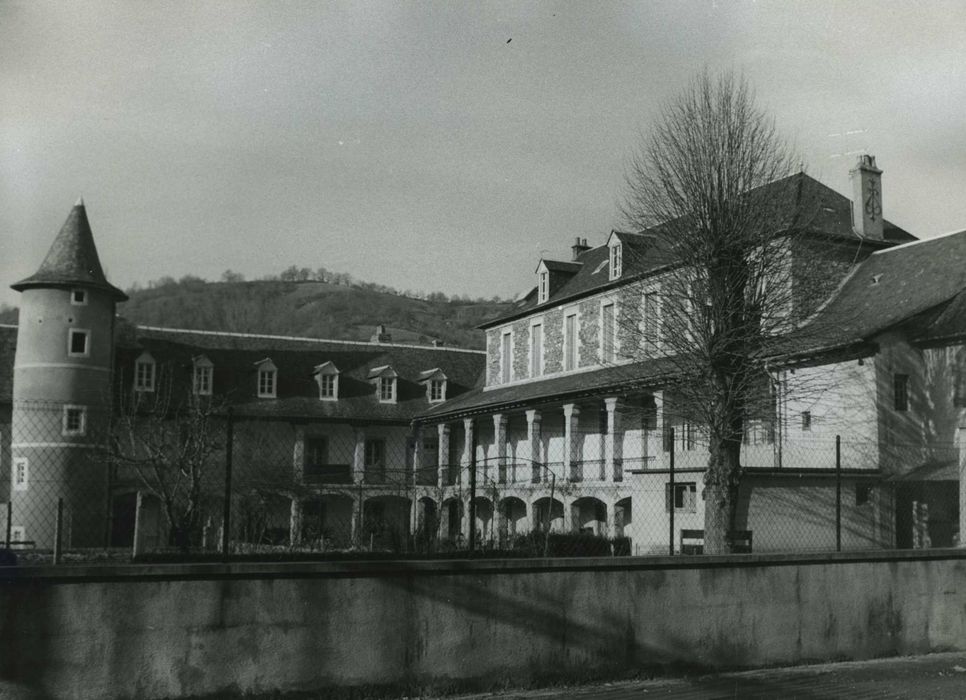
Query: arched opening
{"points": [[623, 522], [452, 521], [590, 516], [327, 521], [485, 536], [548, 515], [427, 524], [512, 519], [124, 519]]}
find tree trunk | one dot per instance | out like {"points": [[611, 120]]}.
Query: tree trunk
{"points": [[721, 495]]}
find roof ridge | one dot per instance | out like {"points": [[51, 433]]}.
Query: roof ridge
{"points": [[9, 325], [921, 240], [266, 336]]}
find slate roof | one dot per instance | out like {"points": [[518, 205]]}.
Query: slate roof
{"points": [[234, 355], [72, 259], [890, 287], [828, 214], [619, 380]]}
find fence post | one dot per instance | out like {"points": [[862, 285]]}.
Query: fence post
{"points": [[58, 531], [962, 488], [838, 493], [546, 539], [9, 521], [472, 543], [226, 517], [138, 526], [670, 545]]}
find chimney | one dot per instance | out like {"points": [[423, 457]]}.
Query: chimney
{"points": [[579, 246], [380, 336], [867, 198]]}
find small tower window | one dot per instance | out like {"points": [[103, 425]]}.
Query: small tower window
{"points": [[77, 343], [78, 297], [21, 473], [144, 373], [202, 377], [75, 420]]}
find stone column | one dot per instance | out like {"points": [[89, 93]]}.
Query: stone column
{"points": [[962, 486], [613, 442], [467, 442], [295, 522], [499, 441], [654, 441], [417, 436], [533, 440], [442, 451], [359, 457], [298, 455], [572, 468]]}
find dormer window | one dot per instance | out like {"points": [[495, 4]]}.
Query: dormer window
{"points": [[616, 260], [144, 372], [435, 382], [543, 290], [78, 342], [202, 376], [385, 378], [78, 297], [267, 379], [327, 376]]}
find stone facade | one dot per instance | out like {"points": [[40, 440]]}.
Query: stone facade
{"points": [[589, 332], [521, 349]]}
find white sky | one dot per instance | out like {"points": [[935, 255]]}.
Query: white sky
{"points": [[409, 144]]}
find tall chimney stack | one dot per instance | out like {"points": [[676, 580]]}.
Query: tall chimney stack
{"points": [[867, 198], [579, 246]]}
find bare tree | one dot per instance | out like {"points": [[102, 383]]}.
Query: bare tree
{"points": [[711, 190], [169, 441]]}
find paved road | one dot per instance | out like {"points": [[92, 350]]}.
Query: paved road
{"points": [[917, 677]]}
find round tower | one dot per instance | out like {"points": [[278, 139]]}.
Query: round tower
{"points": [[62, 393]]}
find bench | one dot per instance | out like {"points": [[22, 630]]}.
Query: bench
{"points": [[692, 541]]}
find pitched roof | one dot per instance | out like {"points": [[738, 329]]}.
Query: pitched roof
{"points": [[233, 355], [890, 287], [949, 322], [828, 213], [72, 259], [619, 379]]}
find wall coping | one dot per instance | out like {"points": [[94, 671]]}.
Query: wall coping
{"points": [[33, 575]]}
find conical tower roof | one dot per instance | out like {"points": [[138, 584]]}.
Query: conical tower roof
{"points": [[72, 259]]}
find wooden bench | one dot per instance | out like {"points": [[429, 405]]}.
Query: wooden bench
{"points": [[692, 541]]}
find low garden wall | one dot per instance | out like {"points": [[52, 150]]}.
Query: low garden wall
{"points": [[168, 630]]}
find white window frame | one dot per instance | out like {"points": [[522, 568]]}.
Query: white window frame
{"points": [[615, 267], [543, 286], [65, 427], [71, 332], [21, 484], [392, 389], [571, 349], [73, 299], [323, 394], [431, 384], [536, 323], [602, 336], [206, 370], [689, 502], [506, 363], [266, 370], [147, 383]]}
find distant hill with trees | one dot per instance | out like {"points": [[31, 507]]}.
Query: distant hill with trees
{"points": [[303, 302]]}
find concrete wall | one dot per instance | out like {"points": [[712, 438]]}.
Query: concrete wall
{"points": [[152, 632]]}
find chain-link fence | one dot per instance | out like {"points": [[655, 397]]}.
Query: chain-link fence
{"points": [[85, 486]]}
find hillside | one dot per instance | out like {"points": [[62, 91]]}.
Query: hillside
{"points": [[309, 308]]}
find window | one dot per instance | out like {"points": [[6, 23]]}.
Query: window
{"points": [[77, 343], [959, 385], [374, 461], [21, 473], [651, 323], [901, 391], [543, 286], [536, 349], [266, 383], [437, 390], [667, 438], [316, 458], [616, 261], [759, 432], [327, 386], [607, 338], [689, 436], [78, 297], [570, 341], [806, 421], [506, 357], [144, 373], [75, 420], [863, 494], [387, 389], [202, 379], [684, 497]]}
